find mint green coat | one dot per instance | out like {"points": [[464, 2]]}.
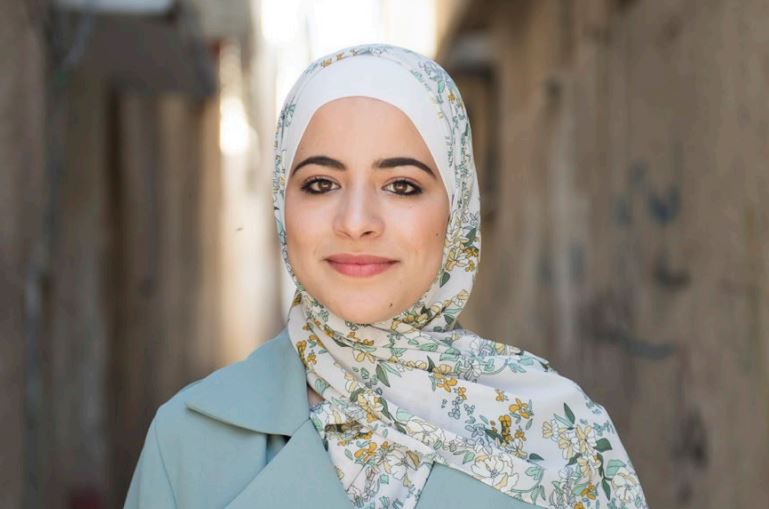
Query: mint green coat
{"points": [[242, 438]]}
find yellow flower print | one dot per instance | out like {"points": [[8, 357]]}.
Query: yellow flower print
{"points": [[364, 454], [505, 421], [625, 485], [547, 429], [452, 259], [470, 254], [416, 364], [371, 405], [520, 408], [494, 470], [461, 392], [306, 360], [588, 466], [360, 348], [351, 383], [501, 348], [520, 435], [589, 491], [579, 505], [354, 433], [566, 443], [443, 369], [585, 439], [500, 395], [471, 251], [413, 460], [326, 62], [445, 382], [364, 435], [361, 355]]}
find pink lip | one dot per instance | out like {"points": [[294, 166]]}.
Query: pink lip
{"points": [[360, 265]]}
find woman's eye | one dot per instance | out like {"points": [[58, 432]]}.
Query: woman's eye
{"points": [[318, 186], [403, 187]]}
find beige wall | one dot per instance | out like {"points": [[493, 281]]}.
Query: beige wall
{"points": [[109, 263], [628, 242], [164, 285]]}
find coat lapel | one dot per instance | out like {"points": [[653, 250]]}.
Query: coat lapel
{"points": [[266, 393], [300, 475]]}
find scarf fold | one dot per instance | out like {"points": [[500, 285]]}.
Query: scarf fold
{"points": [[414, 390]]}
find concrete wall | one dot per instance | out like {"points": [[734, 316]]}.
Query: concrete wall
{"points": [[164, 222], [627, 244], [109, 264], [22, 192]]}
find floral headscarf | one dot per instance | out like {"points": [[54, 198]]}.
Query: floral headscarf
{"points": [[402, 394]]}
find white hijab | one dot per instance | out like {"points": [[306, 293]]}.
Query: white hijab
{"points": [[404, 393]]}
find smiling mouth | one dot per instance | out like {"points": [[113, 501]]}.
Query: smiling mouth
{"points": [[360, 265]]}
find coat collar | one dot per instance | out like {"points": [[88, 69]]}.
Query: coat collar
{"points": [[265, 392]]}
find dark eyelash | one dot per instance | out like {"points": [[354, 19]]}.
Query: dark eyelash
{"points": [[306, 186], [416, 189]]}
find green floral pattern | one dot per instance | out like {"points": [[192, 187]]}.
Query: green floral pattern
{"points": [[414, 390]]}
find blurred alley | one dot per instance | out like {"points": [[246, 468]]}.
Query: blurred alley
{"points": [[623, 156]]}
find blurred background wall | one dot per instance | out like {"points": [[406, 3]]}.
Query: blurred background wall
{"points": [[622, 150]]}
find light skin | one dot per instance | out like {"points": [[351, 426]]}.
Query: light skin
{"points": [[363, 182]]}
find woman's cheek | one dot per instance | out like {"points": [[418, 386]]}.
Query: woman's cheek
{"points": [[298, 231], [306, 230], [425, 228]]}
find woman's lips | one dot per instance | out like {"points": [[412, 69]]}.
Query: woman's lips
{"points": [[360, 265]]}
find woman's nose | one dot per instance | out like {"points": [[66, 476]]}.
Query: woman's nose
{"points": [[359, 213]]}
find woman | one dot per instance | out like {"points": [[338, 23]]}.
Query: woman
{"points": [[373, 395]]}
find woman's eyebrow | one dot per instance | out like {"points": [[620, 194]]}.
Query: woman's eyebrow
{"points": [[390, 162], [320, 161], [394, 162]]}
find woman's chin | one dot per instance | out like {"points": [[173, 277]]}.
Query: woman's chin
{"points": [[363, 317], [364, 314]]}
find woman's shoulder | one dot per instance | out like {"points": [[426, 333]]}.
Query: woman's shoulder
{"points": [[220, 379], [232, 394], [231, 413]]}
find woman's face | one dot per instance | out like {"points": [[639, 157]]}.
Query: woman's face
{"points": [[366, 210]]}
